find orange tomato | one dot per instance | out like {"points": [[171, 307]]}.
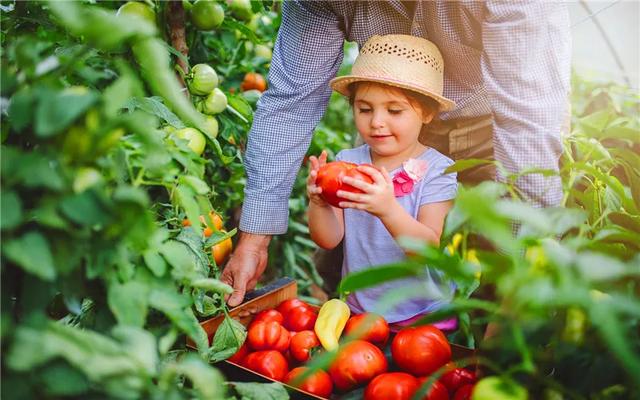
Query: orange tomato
{"points": [[216, 222], [255, 81], [222, 250]]}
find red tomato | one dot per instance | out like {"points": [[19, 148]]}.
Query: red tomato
{"points": [[420, 350], [456, 378], [268, 336], [301, 345], [240, 354], [330, 180], [370, 327], [269, 363], [437, 391], [318, 383], [392, 385], [290, 304], [301, 318], [464, 392], [268, 315], [357, 363]]}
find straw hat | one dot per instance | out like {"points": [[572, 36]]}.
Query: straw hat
{"points": [[403, 61]]}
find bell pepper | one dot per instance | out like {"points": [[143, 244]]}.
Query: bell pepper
{"points": [[332, 318]]}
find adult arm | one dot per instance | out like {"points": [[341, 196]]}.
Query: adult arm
{"points": [[526, 70]]}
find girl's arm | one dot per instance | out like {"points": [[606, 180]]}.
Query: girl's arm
{"points": [[326, 223]]}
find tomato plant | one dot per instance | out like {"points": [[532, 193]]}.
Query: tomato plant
{"points": [[330, 178], [356, 363]]}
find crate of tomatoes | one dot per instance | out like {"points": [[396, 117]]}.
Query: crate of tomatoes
{"points": [[361, 357]]}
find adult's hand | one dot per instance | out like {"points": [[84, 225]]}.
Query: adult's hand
{"points": [[246, 265]]}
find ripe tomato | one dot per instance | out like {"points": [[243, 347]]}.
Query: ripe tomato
{"points": [[391, 385], [268, 336], [239, 355], [253, 81], [330, 180], [437, 391], [268, 315], [463, 393], [357, 363], [222, 250], [287, 305], [270, 363], [370, 327], [300, 319], [420, 350], [456, 378], [318, 383], [301, 345]]}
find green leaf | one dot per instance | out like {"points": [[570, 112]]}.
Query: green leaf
{"points": [[36, 171], [631, 222], [461, 165], [207, 381], [186, 198], [10, 210], [233, 25], [598, 267], [56, 111], [84, 209], [155, 262], [154, 106], [140, 345], [199, 186], [129, 302], [211, 284], [227, 340], [116, 96], [375, 276], [260, 391], [21, 108], [61, 379], [31, 252], [181, 258]]}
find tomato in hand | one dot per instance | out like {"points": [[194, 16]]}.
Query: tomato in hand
{"points": [[368, 326], [269, 363], [318, 383], [330, 178], [457, 378], [268, 315], [239, 355], [290, 304], [420, 350], [268, 336], [357, 363], [464, 392], [301, 345], [301, 318], [391, 385]]}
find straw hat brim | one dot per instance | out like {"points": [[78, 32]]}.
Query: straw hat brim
{"points": [[341, 85]]}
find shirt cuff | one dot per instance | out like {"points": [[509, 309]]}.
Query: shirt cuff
{"points": [[264, 217]]}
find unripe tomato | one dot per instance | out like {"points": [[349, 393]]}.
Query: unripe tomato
{"points": [[420, 350], [196, 140], [357, 363], [368, 326], [269, 363], [437, 391], [318, 383], [391, 385], [203, 79], [263, 51], [215, 102], [252, 96], [207, 14], [221, 250], [86, 177], [267, 316], [301, 345], [268, 335], [138, 9], [211, 126], [253, 81], [241, 9], [300, 319], [330, 178], [496, 388], [239, 355]]}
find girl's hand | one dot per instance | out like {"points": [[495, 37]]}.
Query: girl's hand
{"points": [[377, 198], [313, 191]]}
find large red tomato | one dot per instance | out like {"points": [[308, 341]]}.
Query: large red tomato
{"points": [[330, 178], [370, 327], [268, 315], [290, 304], [357, 363], [270, 363], [268, 336], [392, 385], [301, 318], [420, 350], [318, 383], [301, 344], [239, 355], [457, 378], [437, 391], [464, 393]]}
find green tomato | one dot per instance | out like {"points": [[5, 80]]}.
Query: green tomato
{"points": [[204, 79], [196, 140], [241, 9], [137, 9], [251, 96], [496, 388], [263, 51], [215, 103], [85, 178], [211, 126], [207, 14]]}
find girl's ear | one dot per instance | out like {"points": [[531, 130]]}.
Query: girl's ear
{"points": [[428, 114]]}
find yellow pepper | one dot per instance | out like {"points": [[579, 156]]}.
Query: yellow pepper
{"points": [[331, 320]]}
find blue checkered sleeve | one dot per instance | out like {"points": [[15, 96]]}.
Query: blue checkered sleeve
{"points": [[298, 93]]}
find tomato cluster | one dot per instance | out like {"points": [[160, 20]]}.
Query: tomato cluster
{"points": [[281, 340]]}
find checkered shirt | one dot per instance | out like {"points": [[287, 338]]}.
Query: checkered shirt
{"points": [[508, 59]]}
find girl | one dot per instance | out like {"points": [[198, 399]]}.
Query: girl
{"points": [[395, 88]]}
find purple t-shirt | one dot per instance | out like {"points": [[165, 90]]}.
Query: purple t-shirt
{"points": [[367, 243]]}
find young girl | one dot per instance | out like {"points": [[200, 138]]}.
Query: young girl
{"points": [[395, 88]]}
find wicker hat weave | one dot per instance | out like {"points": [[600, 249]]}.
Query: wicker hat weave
{"points": [[403, 61]]}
